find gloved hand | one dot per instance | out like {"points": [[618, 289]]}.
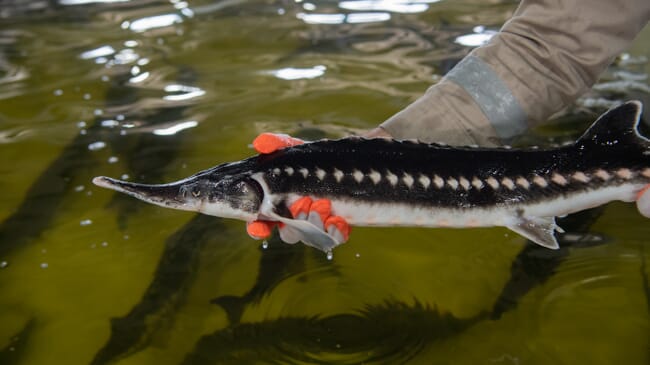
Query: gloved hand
{"points": [[318, 212], [643, 201]]}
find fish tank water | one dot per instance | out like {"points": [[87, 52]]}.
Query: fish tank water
{"points": [[154, 91]]}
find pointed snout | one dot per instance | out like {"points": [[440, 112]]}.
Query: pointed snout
{"points": [[172, 195]]}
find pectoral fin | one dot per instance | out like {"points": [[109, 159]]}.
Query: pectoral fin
{"points": [[308, 233], [537, 229]]}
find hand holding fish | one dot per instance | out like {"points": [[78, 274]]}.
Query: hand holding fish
{"points": [[317, 212], [643, 201]]}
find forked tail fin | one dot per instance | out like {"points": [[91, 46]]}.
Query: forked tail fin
{"points": [[616, 126]]}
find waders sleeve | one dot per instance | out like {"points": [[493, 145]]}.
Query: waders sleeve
{"points": [[547, 55]]}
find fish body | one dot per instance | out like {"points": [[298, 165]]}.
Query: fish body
{"points": [[379, 182]]}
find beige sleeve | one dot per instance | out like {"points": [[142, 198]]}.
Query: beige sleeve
{"points": [[548, 54]]}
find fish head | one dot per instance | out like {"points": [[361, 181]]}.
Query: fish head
{"points": [[219, 192]]}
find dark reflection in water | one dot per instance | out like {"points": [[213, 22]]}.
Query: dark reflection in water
{"points": [[534, 265], [278, 262], [17, 347], [166, 292], [645, 277], [391, 333], [147, 155], [45, 195]]}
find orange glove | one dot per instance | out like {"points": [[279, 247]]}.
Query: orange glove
{"points": [[318, 212], [271, 142], [643, 201]]}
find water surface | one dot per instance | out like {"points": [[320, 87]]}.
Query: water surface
{"points": [[154, 91]]}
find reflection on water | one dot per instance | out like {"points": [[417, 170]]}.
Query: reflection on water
{"points": [[386, 333], [479, 37], [154, 90]]}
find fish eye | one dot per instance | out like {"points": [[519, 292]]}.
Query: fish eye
{"points": [[194, 189]]}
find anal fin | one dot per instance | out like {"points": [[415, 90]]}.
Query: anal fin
{"points": [[537, 229]]}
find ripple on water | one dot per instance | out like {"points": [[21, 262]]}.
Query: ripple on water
{"points": [[591, 284], [388, 333], [591, 269], [309, 313]]}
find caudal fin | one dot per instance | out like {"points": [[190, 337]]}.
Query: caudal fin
{"points": [[616, 126]]}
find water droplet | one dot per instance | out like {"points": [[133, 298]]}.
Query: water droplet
{"points": [[265, 244], [338, 345], [98, 112], [3, 264], [126, 237], [104, 244], [330, 255], [96, 145], [105, 78], [124, 176], [81, 124], [113, 159], [357, 255], [44, 265], [119, 117], [86, 222], [79, 188], [110, 123], [83, 132], [86, 96], [58, 92]]}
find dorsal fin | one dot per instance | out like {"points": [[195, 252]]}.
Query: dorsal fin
{"points": [[617, 125]]}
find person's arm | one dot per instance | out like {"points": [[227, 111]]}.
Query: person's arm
{"points": [[548, 54]]}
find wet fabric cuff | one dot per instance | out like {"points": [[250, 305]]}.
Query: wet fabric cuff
{"points": [[550, 52], [491, 95]]}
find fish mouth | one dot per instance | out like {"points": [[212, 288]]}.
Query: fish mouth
{"points": [[170, 195]]}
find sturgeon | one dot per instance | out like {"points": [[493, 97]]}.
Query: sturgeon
{"points": [[381, 182]]}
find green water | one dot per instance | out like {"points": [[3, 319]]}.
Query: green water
{"points": [[158, 90]]}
